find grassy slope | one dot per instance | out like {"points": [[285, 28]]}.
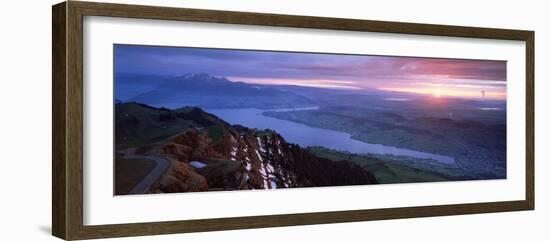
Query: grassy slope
{"points": [[385, 170], [215, 132], [137, 125], [219, 173], [129, 172]]}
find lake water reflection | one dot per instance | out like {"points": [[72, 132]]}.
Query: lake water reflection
{"points": [[305, 136]]}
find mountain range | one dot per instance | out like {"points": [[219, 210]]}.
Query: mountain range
{"points": [[207, 91]]}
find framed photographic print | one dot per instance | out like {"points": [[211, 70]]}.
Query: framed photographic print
{"points": [[171, 120]]}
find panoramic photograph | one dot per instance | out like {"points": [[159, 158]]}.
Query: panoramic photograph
{"points": [[190, 119]]}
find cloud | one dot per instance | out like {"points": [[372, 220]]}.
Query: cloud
{"points": [[354, 71]]}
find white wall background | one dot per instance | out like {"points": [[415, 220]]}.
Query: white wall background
{"points": [[25, 122]]}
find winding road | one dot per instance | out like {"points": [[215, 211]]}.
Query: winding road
{"points": [[144, 185]]}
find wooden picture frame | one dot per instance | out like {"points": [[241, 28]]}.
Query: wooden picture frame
{"points": [[67, 152]]}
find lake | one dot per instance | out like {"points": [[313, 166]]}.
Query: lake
{"points": [[306, 136]]}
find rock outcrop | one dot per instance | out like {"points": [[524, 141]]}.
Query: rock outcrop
{"points": [[207, 153]]}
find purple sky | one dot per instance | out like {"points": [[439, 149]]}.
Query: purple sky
{"points": [[438, 77]]}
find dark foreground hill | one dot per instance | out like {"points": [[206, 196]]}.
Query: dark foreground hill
{"points": [[206, 153]]}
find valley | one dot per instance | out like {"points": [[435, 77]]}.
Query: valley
{"points": [[216, 134], [476, 147]]}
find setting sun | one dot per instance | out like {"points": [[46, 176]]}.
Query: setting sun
{"points": [[437, 92], [441, 92]]}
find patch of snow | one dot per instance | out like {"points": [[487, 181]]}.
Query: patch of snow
{"points": [[262, 149], [273, 185], [197, 164], [248, 167], [270, 168], [233, 153], [262, 170], [259, 156]]}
